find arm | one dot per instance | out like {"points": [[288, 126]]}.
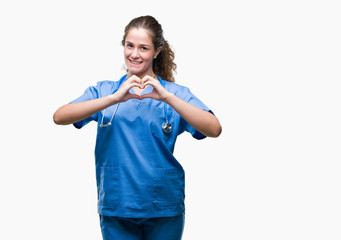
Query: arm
{"points": [[75, 112], [201, 120]]}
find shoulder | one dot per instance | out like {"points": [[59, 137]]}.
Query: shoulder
{"points": [[177, 89], [108, 86], [102, 88], [105, 84]]}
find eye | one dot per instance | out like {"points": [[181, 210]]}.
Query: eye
{"points": [[129, 45], [144, 48]]}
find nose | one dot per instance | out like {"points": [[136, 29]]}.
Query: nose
{"points": [[135, 53]]}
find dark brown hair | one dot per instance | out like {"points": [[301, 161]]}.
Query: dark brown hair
{"points": [[163, 65]]}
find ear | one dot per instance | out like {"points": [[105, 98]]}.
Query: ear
{"points": [[157, 51]]}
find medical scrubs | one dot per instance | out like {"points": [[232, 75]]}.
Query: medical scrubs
{"points": [[137, 174], [164, 228]]}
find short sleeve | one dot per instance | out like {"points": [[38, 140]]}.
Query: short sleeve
{"points": [[89, 94], [192, 99]]}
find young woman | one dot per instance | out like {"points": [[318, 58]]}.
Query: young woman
{"points": [[140, 183]]}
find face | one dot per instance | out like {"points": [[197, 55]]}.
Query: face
{"points": [[139, 52]]}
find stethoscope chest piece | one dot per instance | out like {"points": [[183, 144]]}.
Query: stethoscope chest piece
{"points": [[167, 127]]}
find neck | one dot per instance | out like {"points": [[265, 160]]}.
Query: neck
{"points": [[152, 74]]}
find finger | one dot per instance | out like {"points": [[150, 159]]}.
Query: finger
{"points": [[134, 85], [127, 87], [135, 79], [147, 95], [147, 78], [150, 82], [130, 95], [123, 92]]}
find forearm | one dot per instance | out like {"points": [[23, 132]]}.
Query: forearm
{"points": [[201, 120], [75, 112]]}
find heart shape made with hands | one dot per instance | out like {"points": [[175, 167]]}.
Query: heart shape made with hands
{"points": [[139, 86], [140, 90]]}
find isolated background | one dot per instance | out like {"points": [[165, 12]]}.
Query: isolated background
{"points": [[270, 70]]}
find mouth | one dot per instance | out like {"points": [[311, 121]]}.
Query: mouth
{"points": [[135, 62]]}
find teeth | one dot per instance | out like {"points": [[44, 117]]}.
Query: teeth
{"points": [[135, 62]]}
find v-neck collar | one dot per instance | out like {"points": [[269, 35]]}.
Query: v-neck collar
{"points": [[136, 102]]}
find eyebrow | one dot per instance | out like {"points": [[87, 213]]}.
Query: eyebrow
{"points": [[141, 45]]}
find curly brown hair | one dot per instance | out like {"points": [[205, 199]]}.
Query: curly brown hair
{"points": [[163, 64]]}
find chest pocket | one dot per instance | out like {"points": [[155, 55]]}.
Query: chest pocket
{"points": [[157, 126]]}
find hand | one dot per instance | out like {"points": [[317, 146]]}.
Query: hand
{"points": [[123, 94], [158, 93]]}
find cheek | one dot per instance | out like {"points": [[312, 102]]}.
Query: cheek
{"points": [[148, 57], [126, 52]]}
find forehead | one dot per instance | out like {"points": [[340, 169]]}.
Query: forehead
{"points": [[139, 36]]}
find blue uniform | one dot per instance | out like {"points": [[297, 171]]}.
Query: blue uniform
{"points": [[136, 171], [164, 228]]}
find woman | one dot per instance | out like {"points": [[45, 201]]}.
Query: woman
{"points": [[140, 183]]}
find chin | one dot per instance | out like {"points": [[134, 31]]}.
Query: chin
{"points": [[134, 71]]}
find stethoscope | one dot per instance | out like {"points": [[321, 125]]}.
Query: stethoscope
{"points": [[166, 126]]}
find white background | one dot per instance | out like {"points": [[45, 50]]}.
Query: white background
{"points": [[270, 70]]}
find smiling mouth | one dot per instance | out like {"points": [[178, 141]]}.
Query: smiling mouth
{"points": [[135, 62]]}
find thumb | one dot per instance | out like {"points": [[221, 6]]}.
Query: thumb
{"points": [[130, 96], [147, 95]]}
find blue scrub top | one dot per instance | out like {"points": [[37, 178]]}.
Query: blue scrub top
{"points": [[137, 174]]}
